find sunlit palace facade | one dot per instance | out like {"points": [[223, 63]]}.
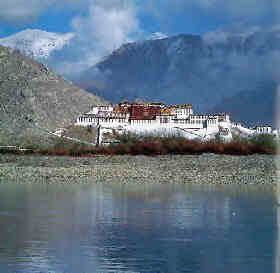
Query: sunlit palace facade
{"points": [[150, 115], [155, 118]]}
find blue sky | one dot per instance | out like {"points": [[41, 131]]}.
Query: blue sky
{"points": [[101, 26], [170, 17]]}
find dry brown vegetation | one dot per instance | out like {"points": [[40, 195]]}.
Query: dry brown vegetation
{"points": [[157, 146], [133, 145]]}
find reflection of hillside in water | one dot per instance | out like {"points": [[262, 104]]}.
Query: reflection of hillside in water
{"points": [[43, 230], [145, 228]]}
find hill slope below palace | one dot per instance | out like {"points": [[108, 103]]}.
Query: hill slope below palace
{"points": [[31, 94], [193, 69]]}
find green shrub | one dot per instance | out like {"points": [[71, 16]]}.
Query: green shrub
{"points": [[264, 142]]}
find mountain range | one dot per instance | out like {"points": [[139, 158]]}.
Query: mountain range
{"points": [[214, 72], [210, 74]]}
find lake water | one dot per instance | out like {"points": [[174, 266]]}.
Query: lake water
{"points": [[130, 228]]}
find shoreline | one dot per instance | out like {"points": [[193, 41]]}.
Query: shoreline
{"points": [[208, 169]]}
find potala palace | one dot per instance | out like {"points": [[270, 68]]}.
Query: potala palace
{"points": [[161, 119]]}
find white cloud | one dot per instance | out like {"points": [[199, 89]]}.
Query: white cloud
{"points": [[16, 11], [105, 28], [218, 36], [108, 28], [230, 11], [25, 11], [20, 11], [222, 35]]}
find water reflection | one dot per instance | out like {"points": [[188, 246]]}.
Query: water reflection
{"points": [[146, 228], [277, 251]]}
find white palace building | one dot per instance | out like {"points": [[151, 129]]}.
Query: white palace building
{"points": [[156, 118], [161, 119]]}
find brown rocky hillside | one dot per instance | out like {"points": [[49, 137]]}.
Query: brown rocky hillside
{"points": [[33, 96]]}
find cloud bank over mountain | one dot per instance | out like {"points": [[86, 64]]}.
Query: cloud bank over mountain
{"points": [[105, 28], [102, 26]]}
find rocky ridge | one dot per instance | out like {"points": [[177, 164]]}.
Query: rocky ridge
{"points": [[33, 96]]}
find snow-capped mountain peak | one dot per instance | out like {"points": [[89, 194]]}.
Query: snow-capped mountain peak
{"points": [[37, 43]]}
